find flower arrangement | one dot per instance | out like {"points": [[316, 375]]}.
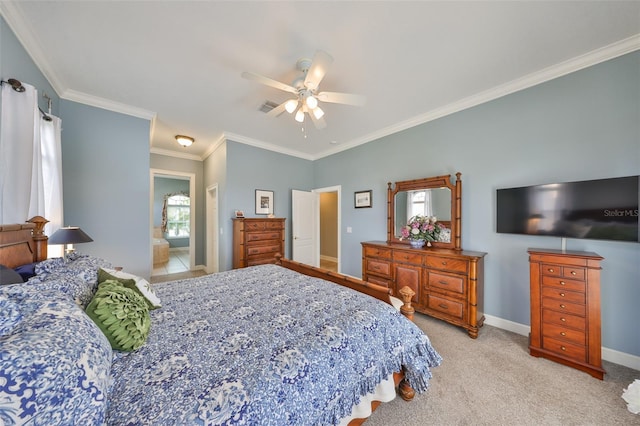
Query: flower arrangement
{"points": [[422, 228]]}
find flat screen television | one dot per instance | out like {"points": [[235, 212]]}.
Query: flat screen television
{"points": [[602, 209]]}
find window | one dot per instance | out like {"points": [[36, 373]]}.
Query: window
{"points": [[419, 203], [178, 216]]}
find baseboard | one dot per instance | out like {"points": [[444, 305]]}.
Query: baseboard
{"points": [[611, 355], [328, 258]]}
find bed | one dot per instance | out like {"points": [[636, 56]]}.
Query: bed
{"points": [[271, 344]]}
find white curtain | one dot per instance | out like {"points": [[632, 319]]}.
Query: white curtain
{"points": [[18, 136], [51, 161], [30, 162]]}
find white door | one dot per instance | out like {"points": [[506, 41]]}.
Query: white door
{"points": [[305, 225], [212, 229]]}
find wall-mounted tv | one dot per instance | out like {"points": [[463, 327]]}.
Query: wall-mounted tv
{"points": [[602, 209]]}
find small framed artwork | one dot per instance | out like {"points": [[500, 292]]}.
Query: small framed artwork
{"points": [[239, 213], [264, 202], [363, 199]]}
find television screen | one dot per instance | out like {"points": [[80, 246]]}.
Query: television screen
{"points": [[603, 209]]}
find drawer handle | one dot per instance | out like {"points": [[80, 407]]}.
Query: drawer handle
{"points": [[563, 348], [563, 333], [563, 319], [573, 272], [561, 294], [562, 283], [443, 282], [376, 267], [444, 263], [443, 306], [406, 257], [550, 270], [562, 306]]}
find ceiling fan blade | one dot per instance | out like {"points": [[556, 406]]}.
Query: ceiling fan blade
{"points": [[318, 122], [341, 98], [319, 67], [277, 110], [268, 82]]}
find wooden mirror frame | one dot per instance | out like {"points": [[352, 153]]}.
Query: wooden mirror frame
{"points": [[427, 183]]}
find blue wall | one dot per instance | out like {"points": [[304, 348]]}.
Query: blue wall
{"points": [[105, 162], [239, 170], [585, 125]]}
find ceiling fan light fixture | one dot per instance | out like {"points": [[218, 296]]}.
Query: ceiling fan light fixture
{"points": [[318, 113], [311, 101], [185, 141], [300, 116], [291, 105]]}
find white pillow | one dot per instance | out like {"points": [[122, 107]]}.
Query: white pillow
{"points": [[143, 285]]}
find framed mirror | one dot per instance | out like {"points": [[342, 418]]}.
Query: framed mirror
{"points": [[434, 196]]}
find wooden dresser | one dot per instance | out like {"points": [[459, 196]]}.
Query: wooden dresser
{"points": [[256, 241], [448, 283], [565, 308]]}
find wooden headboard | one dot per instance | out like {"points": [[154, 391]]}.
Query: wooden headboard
{"points": [[23, 243]]}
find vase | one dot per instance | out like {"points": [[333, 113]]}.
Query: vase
{"points": [[417, 243]]}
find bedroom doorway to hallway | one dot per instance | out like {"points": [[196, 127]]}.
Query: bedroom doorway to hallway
{"points": [[316, 227], [181, 245]]}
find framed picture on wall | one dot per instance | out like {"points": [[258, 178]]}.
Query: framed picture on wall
{"points": [[363, 199], [264, 202]]}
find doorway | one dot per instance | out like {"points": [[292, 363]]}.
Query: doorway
{"points": [[329, 208], [212, 240], [183, 257]]}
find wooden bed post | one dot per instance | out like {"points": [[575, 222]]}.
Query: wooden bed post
{"points": [[406, 309], [39, 238]]}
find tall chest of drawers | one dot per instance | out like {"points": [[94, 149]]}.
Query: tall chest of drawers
{"points": [[449, 284], [256, 241], [565, 308]]}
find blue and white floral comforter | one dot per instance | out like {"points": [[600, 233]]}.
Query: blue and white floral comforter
{"points": [[263, 346]]}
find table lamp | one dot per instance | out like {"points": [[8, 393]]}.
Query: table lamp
{"points": [[69, 235]]}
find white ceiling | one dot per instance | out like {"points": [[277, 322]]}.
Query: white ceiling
{"points": [[180, 62]]}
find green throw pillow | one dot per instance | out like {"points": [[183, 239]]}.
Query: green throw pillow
{"points": [[138, 284], [122, 315]]}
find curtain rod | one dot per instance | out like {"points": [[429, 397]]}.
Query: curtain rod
{"points": [[18, 87]]}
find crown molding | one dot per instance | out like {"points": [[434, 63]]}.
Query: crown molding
{"points": [[22, 30], [175, 154], [96, 101], [595, 57], [268, 146]]}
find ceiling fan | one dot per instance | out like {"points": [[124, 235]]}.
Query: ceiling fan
{"points": [[305, 89]]}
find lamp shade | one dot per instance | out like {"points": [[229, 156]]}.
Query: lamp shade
{"points": [[69, 235]]}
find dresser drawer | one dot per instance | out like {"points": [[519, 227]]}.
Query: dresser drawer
{"points": [[566, 271], [447, 264], [408, 257], [262, 250], [560, 306], [377, 252], [262, 236], [378, 267], [441, 281], [564, 319], [379, 281], [560, 294], [274, 225], [446, 306], [563, 283], [254, 226], [564, 333], [565, 349], [260, 261]]}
